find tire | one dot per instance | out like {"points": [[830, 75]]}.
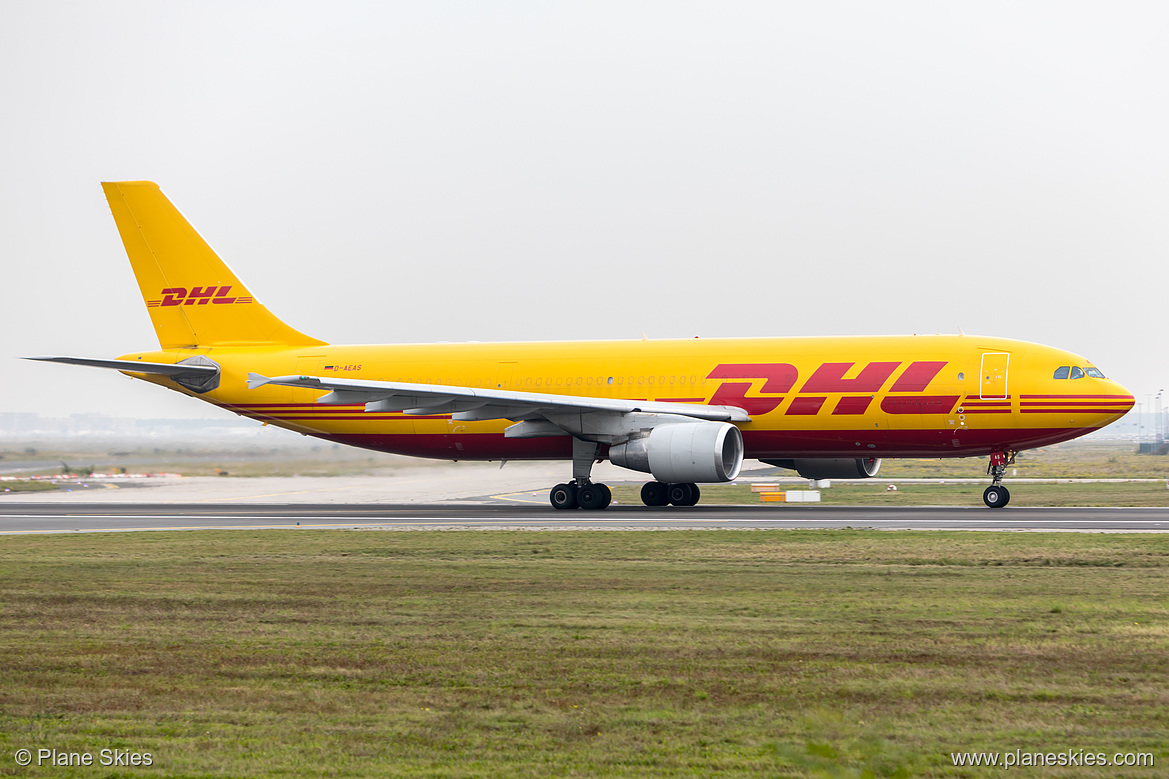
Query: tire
{"points": [[653, 493], [608, 495], [680, 494], [996, 497], [563, 496], [695, 494], [594, 497]]}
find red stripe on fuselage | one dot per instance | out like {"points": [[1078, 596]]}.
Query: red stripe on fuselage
{"points": [[1072, 410], [1129, 398], [918, 404], [1080, 403]]}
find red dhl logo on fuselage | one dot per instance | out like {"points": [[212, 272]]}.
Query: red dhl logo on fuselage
{"points": [[781, 378], [198, 296]]}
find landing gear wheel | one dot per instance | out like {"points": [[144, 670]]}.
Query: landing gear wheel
{"points": [[653, 493], [593, 497], [996, 497], [563, 496], [682, 494]]}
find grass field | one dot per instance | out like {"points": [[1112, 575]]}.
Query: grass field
{"points": [[784, 653], [27, 486]]}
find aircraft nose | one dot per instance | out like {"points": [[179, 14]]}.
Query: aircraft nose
{"points": [[1124, 400]]}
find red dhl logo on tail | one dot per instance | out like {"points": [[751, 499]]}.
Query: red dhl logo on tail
{"points": [[198, 296], [828, 379]]}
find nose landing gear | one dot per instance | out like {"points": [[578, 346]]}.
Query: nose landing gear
{"points": [[996, 495]]}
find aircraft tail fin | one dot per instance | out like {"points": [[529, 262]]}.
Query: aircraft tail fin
{"points": [[192, 297]]}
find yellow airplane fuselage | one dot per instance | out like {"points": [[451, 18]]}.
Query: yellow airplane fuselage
{"points": [[904, 396]]}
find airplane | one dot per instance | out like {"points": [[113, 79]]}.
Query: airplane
{"points": [[685, 411]]}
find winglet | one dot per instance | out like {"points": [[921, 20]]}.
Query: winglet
{"points": [[255, 380]]}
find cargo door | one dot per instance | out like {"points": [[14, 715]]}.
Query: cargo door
{"points": [[993, 376]]}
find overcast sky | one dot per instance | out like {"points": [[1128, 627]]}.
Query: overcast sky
{"points": [[410, 172]]}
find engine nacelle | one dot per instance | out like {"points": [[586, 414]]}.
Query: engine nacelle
{"points": [[684, 452], [831, 468]]}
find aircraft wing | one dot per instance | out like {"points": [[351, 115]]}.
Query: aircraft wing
{"points": [[477, 403], [135, 366]]}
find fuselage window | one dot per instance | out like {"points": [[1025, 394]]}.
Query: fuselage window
{"points": [[1061, 372], [1094, 372], [1077, 372]]}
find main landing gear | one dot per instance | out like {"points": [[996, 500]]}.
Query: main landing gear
{"points": [[656, 493], [588, 496], [996, 495], [581, 492]]}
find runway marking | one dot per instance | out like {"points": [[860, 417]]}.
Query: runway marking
{"points": [[527, 498]]}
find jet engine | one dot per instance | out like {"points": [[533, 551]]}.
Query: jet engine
{"points": [[831, 468], [684, 452]]}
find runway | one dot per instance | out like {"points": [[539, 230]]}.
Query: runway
{"points": [[35, 518]]}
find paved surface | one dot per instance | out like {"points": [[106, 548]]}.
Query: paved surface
{"points": [[91, 517], [419, 482], [480, 496]]}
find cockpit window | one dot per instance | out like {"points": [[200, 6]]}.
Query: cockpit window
{"points": [[1076, 372]]}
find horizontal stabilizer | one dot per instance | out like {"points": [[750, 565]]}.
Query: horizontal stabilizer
{"points": [[256, 381], [135, 366]]}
